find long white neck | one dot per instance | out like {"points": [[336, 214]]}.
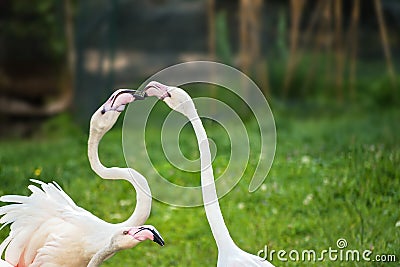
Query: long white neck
{"points": [[102, 255], [143, 193], [210, 198]]}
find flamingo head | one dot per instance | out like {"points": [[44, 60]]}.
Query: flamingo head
{"points": [[128, 237], [106, 116], [176, 98]]}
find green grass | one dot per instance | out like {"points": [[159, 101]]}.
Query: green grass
{"points": [[334, 176]]}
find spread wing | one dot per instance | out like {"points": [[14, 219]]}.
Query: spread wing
{"points": [[31, 218]]}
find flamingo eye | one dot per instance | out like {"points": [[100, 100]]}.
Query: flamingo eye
{"points": [[125, 232]]}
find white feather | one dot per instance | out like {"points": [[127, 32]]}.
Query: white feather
{"points": [[4, 264], [47, 210]]}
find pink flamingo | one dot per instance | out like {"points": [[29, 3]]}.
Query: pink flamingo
{"points": [[49, 229], [229, 254]]}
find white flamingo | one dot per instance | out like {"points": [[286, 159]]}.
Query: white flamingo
{"points": [[49, 229], [229, 254]]}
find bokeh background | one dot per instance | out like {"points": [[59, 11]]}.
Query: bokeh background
{"points": [[330, 70], [68, 55]]}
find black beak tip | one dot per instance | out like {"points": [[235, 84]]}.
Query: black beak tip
{"points": [[159, 240], [139, 95]]}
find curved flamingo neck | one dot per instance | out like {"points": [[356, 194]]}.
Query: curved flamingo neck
{"points": [[102, 255], [210, 198], [143, 193]]}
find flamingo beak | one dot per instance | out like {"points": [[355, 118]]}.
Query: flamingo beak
{"points": [[157, 238], [157, 89], [144, 233]]}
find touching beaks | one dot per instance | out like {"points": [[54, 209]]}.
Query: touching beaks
{"points": [[157, 89], [120, 98], [139, 95]]}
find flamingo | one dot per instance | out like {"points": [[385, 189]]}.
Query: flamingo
{"points": [[125, 238], [229, 254], [49, 229]]}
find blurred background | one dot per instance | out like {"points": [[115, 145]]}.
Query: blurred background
{"points": [[69, 55]]}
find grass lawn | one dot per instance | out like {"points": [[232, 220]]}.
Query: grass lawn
{"points": [[335, 175]]}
